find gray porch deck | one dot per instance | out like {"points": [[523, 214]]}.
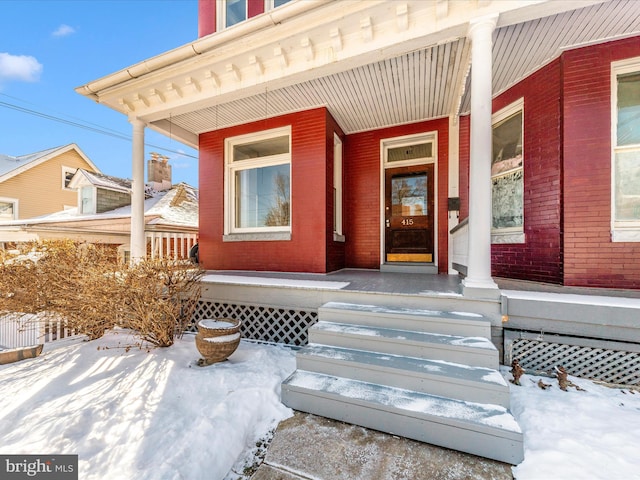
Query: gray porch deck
{"points": [[375, 281]]}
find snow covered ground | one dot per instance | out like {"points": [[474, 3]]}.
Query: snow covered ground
{"points": [[144, 415], [129, 413]]}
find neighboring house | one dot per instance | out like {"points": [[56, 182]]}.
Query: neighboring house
{"points": [[344, 134], [104, 215], [38, 183]]}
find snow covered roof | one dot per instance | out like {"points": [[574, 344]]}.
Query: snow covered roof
{"points": [[83, 177], [11, 166], [175, 207]]}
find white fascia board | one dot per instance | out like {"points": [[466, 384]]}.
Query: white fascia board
{"points": [[322, 41], [55, 153]]}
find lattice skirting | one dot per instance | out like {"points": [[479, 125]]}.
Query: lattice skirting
{"points": [[265, 323], [612, 362]]}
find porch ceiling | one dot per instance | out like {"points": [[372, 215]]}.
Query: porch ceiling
{"points": [[388, 64]]}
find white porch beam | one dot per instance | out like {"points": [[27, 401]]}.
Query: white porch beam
{"points": [[478, 282], [138, 241]]}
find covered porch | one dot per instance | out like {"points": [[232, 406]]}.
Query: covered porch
{"points": [[372, 65]]}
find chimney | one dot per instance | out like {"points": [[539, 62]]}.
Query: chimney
{"points": [[159, 172]]}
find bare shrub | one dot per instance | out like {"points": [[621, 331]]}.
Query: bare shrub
{"points": [[62, 279], [84, 284], [158, 298]]}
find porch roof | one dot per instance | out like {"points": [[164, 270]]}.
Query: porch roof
{"points": [[372, 64]]}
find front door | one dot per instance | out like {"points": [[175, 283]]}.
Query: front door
{"points": [[409, 214]]}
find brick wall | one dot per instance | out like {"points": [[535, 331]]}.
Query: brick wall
{"points": [[206, 17], [306, 251], [362, 221], [591, 259], [540, 257]]}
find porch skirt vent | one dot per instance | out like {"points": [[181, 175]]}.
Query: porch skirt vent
{"points": [[264, 323], [610, 362]]}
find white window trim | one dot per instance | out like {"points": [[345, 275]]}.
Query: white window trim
{"points": [[511, 234], [270, 5], [16, 205], [337, 185], [221, 15], [66, 170], [124, 251], [621, 231], [406, 140], [232, 233]]}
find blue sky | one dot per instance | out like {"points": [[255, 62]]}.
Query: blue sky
{"points": [[49, 47]]}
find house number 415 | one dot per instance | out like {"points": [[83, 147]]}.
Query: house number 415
{"points": [[407, 221]]}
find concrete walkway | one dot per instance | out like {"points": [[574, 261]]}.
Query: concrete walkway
{"points": [[310, 447]]}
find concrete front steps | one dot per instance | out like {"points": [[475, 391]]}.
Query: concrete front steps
{"points": [[426, 375]]}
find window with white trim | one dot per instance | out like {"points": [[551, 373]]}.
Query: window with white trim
{"points": [[8, 209], [258, 183], [232, 12], [625, 100], [507, 175], [67, 175], [337, 189]]}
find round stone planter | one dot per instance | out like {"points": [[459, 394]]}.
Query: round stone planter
{"points": [[217, 338]]}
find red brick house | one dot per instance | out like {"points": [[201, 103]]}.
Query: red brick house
{"points": [[359, 134]]}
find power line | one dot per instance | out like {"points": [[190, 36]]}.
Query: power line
{"points": [[85, 125]]}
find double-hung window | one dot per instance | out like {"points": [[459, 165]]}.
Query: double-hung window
{"points": [[625, 100], [258, 186], [507, 175]]}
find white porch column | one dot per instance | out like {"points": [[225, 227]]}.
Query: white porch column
{"points": [[138, 241], [478, 282]]}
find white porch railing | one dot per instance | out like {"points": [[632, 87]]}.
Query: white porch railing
{"points": [[460, 246], [171, 245], [26, 330]]}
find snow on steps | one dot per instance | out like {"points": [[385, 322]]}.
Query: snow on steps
{"points": [[477, 351], [420, 320], [480, 429], [435, 377], [404, 372]]}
